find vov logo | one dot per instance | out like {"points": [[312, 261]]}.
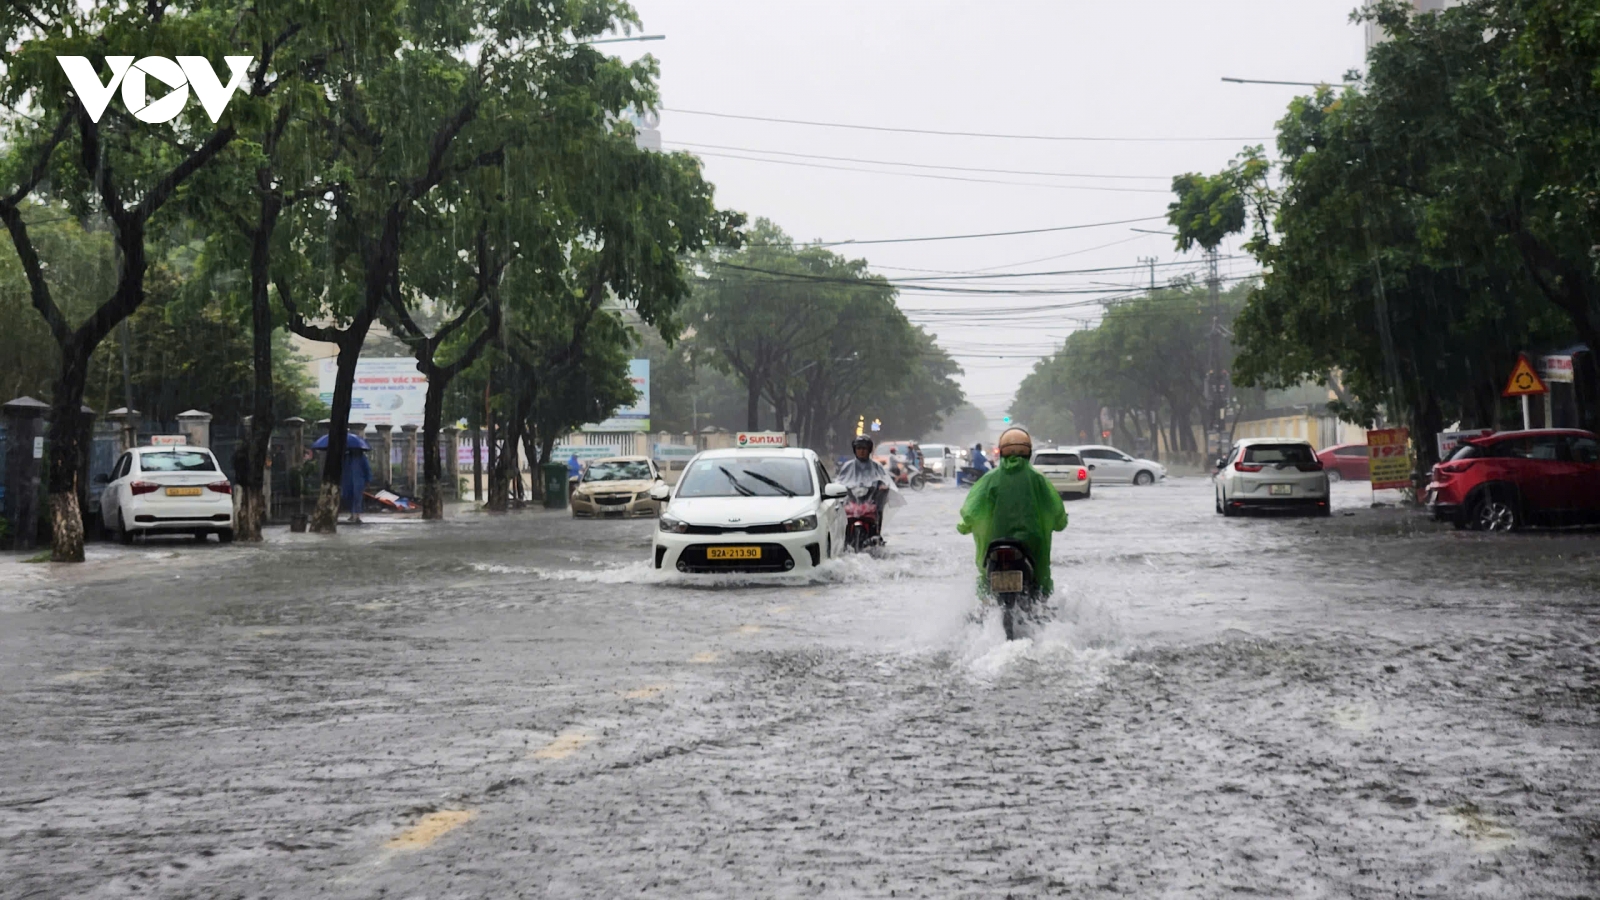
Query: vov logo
{"points": [[187, 72]]}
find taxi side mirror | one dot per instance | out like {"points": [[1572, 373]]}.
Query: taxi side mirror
{"points": [[833, 490], [660, 492], [1220, 463]]}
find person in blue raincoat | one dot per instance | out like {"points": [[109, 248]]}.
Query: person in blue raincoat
{"points": [[1014, 502], [353, 486]]}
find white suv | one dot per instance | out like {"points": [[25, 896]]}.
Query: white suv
{"points": [[1271, 473], [1065, 471]]}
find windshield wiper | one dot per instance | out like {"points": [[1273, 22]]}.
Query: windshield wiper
{"points": [[764, 479], [734, 480]]}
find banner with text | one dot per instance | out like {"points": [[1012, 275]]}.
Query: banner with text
{"points": [[1389, 452], [388, 391]]}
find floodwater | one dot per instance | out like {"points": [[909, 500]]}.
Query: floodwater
{"points": [[1363, 706]]}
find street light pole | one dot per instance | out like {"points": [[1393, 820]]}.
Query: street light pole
{"points": [[618, 40]]}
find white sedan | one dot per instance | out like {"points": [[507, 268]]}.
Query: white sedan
{"points": [[1271, 473], [167, 490], [1108, 465], [753, 510]]}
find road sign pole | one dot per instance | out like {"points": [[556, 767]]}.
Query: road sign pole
{"points": [[1526, 422]]}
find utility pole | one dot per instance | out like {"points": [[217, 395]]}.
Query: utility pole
{"points": [[1216, 385], [1151, 262]]}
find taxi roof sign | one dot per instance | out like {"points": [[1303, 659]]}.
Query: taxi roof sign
{"points": [[767, 439], [1524, 381]]}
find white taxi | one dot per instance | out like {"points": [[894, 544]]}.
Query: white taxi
{"points": [[750, 510], [169, 490]]}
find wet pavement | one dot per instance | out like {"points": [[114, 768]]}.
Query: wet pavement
{"points": [[1363, 706]]}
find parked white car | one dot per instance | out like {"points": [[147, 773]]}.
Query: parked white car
{"points": [[752, 510], [1066, 472], [167, 490], [1108, 465], [1271, 473]]}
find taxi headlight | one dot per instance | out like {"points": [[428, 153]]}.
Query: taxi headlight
{"points": [[675, 526], [642, 495], [802, 523]]}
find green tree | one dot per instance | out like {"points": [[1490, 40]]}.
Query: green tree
{"points": [[113, 168]]}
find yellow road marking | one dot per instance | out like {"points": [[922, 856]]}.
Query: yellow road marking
{"points": [[749, 629], [81, 674], [430, 828], [704, 656], [566, 743], [646, 692]]}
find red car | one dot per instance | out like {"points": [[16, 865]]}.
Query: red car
{"points": [[1515, 478], [1345, 462]]}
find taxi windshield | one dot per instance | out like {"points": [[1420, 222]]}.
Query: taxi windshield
{"points": [[747, 476], [619, 470]]}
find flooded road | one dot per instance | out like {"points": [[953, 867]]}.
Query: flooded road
{"points": [[1362, 706]]}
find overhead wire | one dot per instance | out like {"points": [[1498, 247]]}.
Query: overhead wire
{"points": [[963, 237], [928, 175], [912, 165], [945, 133]]}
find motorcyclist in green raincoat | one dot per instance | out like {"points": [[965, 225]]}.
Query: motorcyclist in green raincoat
{"points": [[1014, 502]]}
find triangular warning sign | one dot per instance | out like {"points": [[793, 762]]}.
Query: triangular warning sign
{"points": [[1524, 380]]}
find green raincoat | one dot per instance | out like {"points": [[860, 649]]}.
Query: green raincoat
{"points": [[1013, 501]]}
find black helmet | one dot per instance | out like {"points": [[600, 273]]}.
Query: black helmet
{"points": [[861, 441]]}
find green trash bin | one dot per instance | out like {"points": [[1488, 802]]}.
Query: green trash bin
{"points": [[555, 486]]}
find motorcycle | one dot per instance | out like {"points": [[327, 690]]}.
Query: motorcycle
{"points": [[863, 511], [1011, 583], [910, 476]]}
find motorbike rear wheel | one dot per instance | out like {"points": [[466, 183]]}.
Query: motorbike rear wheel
{"points": [[918, 482]]}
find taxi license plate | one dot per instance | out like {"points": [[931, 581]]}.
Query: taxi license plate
{"points": [[1009, 582], [183, 492], [1280, 490], [733, 553]]}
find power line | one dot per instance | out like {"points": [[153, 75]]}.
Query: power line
{"points": [[963, 237], [976, 134], [886, 162], [968, 277], [1059, 187]]}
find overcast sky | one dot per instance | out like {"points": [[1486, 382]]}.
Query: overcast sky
{"points": [[1074, 68]]}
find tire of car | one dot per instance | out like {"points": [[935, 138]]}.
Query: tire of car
{"points": [[124, 536], [107, 533], [1087, 491], [1143, 478], [1334, 477], [225, 535], [1495, 509]]}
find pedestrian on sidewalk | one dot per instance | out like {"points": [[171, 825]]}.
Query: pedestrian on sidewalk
{"points": [[357, 472]]}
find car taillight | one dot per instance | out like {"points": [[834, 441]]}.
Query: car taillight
{"points": [[1083, 474], [1243, 466], [143, 487], [221, 487]]}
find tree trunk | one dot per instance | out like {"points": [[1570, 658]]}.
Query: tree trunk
{"points": [[66, 456], [432, 412], [252, 501], [325, 518], [752, 408]]}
